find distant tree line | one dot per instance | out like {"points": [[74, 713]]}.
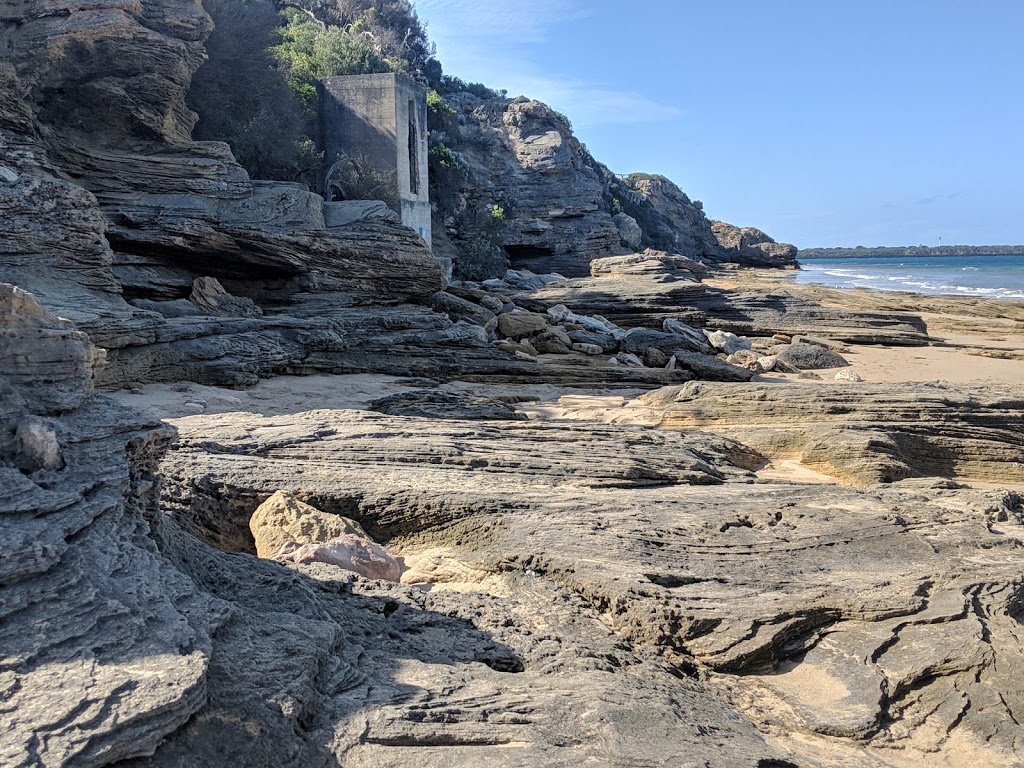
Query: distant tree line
{"points": [[861, 252]]}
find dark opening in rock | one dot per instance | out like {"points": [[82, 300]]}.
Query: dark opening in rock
{"points": [[532, 257]]}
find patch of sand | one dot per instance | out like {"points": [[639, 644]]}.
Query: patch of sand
{"points": [[270, 397], [959, 360]]}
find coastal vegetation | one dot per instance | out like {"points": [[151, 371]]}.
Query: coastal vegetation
{"points": [[884, 252], [257, 89]]}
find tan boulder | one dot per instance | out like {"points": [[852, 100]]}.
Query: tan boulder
{"points": [[283, 518], [516, 325]]}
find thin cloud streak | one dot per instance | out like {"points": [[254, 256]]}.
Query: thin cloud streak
{"points": [[491, 44], [592, 104]]}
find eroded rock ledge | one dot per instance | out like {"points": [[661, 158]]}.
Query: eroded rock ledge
{"points": [[878, 624]]}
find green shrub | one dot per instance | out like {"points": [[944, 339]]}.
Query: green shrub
{"points": [[450, 84], [243, 99], [309, 51], [481, 254]]}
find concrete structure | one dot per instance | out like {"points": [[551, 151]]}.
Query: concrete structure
{"points": [[380, 121]]}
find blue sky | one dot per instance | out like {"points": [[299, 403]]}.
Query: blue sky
{"points": [[823, 122]]}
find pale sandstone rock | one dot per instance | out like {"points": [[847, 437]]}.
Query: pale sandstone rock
{"points": [[283, 518], [37, 446], [849, 375], [727, 342]]}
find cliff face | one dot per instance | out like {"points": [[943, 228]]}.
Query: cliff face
{"points": [[565, 208], [585, 590], [747, 245], [112, 214], [522, 155]]}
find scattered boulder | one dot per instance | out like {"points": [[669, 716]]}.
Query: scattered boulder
{"points": [[518, 325], [744, 357], [809, 357], [522, 347], [639, 339], [210, 296], [628, 359], [606, 341], [630, 232], [492, 303], [587, 349], [283, 518], [349, 552], [654, 358], [710, 368], [848, 375], [727, 342], [562, 314], [698, 342], [553, 341], [457, 308]]}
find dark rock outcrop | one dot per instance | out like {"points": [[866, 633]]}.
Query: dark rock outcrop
{"points": [[566, 209], [670, 220], [644, 290], [752, 247], [523, 154]]}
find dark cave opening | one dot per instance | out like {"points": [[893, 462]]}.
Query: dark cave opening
{"points": [[535, 258]]}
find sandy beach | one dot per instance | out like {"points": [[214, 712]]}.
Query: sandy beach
{"points": [[976, 340]]}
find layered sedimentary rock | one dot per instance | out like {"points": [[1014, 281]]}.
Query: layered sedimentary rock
{"points": [[669, 219], [566, 209], [577, 592], [104, 646], [857, 621], [750, 246], [864, 433], [523, 153], [126, 640], [643, 290], [152, 212]]}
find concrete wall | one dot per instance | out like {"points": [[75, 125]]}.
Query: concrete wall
{"points": [[368, 118], [411, 103]]}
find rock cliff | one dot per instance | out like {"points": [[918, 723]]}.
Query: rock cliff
{"points": [[606, 579], [566, 209]]}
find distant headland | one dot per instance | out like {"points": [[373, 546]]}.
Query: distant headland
{"points": [[861, 252]]}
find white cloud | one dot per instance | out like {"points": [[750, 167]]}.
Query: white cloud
{"points": [[593, 104], [494, 43]]}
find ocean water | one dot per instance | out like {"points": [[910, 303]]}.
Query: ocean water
{"points": [[992, 277]]}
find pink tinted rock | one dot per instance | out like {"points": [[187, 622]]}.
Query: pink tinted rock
{"points": [[350, 552]]}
